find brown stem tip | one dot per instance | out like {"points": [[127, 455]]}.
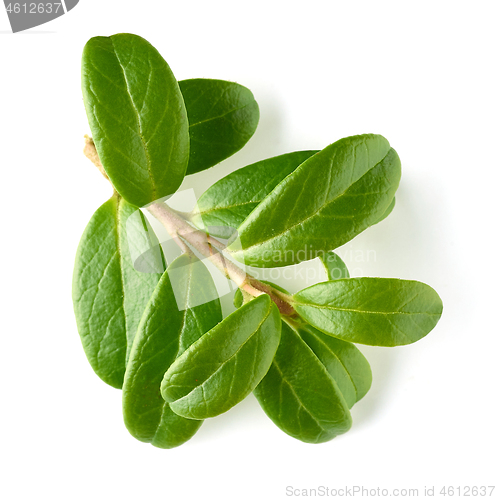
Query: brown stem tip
{"points": [[91, 153]]}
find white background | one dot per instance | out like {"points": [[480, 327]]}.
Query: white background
{"points": [[420, 73]]}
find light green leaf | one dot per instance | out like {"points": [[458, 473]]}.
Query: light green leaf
{"points": [[229, 201], [222, 118], [300, 396], [334, 266], [226, 364], [344, 362], [137, 117], [325, 202], [372, 311], [165, 332], [109, 294]]}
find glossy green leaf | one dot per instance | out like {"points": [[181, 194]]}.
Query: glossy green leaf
{"points": [[226, 364], [166, 330], [137, 116], [344, 362], [222, 118], [325, 202], [109, 294], [387, 212], [334, 266], [372, 311], [229, 201], [300, 396]]}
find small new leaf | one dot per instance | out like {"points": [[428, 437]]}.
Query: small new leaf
{"points": [[334, 266]]}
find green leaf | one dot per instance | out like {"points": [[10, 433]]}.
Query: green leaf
{"points": [[222, 118], [226, 364], [325, 202], [334, 266], [372, 311], [300, 396], [387, 212], [344, 362], [109, 294], [165, 332], [229, 201], [137, 117]]}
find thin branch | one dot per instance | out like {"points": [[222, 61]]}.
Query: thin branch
{"points": [[175, 224], [184, 234]]}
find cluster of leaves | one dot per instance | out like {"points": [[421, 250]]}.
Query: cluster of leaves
{"points": [[180, 365]]}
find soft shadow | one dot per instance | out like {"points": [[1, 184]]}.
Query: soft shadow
{"points": [[382, 362], [406, 245], [246, 414]]}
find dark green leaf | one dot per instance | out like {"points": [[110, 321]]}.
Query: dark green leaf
{"points": [[226, 364], [137, 117], [334, 266], [372, 311], [109, 294], [300, 396], [166, 330], [344, 362], [325, 202], [229, 201], [222, 118]]}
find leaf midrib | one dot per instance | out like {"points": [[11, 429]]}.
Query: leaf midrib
{"points": [[284, 380], [138, 119], [219, 116], [318, 306]]}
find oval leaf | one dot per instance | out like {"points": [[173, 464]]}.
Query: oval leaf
{"points": [[109, 294], [372, 311], [222, 118], [226, 364], [137, 117], [344, 362], [300, 396], [325, 202], [165, 332], [229, 201]]}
